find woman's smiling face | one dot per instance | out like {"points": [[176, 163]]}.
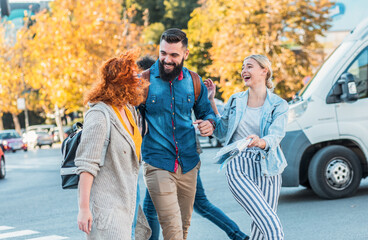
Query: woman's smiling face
{"points": [[252, 73]]}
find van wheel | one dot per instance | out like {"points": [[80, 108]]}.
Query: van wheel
{"points": [[334, 172], [2, 168]]}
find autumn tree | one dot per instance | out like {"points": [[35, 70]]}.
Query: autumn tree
{"points": [[12, 84], [68, 44], [283, 30]]}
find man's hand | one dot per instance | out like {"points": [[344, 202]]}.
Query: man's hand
{"points": [[204, 127], [211, 87], [256, 142]]}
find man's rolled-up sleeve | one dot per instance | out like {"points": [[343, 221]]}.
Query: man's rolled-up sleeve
{"points": [[202, 107]]}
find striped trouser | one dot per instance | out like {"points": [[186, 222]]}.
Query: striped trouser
{"points": [[257, 194]]}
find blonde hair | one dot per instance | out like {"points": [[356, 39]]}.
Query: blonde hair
{"points": [[263, 62]]}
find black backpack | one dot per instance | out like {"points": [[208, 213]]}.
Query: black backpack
{"points": [[69, 178]]}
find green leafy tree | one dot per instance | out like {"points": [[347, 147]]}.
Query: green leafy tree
{"points": [[171, 13], [159, 15]]}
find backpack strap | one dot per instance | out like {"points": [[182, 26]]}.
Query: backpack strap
{"points": [[196, 84], [142, 107], [146, 75]]}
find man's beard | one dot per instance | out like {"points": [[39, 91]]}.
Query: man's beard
{"points": [[170, 76]]}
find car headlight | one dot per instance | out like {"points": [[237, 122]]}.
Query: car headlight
{"points": [[296, 110], [5, 142]]}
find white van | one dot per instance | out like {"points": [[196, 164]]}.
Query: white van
{"points": [[326, 143]]}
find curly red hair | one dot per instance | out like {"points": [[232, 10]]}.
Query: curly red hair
{"points": [[119, 83]]}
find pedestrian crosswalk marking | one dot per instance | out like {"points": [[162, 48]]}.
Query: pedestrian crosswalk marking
{"points": [[17, 234], [52, 237], [22, 233], [2, 228]]}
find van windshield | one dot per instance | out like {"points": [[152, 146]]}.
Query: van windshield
{"points": [[325, 68]]}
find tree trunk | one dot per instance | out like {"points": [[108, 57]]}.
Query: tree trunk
{"points": [[59, 123], [16, 123], [1, 121]]}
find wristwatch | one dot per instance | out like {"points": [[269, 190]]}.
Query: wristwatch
{"points": [[213, 123]]}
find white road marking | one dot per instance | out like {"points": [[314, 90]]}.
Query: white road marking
{"points": [[51, 237], [25, 233], [17, 234], [2, 228]]}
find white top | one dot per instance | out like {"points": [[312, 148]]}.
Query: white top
{"points": [[249, 124]]}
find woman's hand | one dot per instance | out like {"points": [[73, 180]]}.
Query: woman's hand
{"points": [[211, 87], [256, 142], [85, 220]]}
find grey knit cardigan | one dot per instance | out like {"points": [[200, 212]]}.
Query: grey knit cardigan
{"points": [[114, 188]]}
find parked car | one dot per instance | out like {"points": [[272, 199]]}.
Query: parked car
{"points": [[212, 141], [41, 128], [326, 141], [2, 164], [55, 133], [38, 138], [12, 141]]}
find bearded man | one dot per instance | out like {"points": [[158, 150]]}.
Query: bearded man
{"points": [[169, 146]]}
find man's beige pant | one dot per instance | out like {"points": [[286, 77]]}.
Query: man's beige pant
{"points": [[173, 196]]}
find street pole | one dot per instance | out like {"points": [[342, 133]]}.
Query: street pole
{"points": [[26, 117], [25, 104]]}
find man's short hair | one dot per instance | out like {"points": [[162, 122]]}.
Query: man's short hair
{"points": [[175, 35], [145, 62]]}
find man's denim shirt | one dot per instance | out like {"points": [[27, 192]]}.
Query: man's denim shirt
{"points": [[272, 128], [170, 128]]}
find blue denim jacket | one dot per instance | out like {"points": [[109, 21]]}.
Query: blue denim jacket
{"points": [[168, 115], [272, 128]]}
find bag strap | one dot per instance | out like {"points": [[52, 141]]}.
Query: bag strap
{"points": [[196, 84], [146, 75], [142, 107]]}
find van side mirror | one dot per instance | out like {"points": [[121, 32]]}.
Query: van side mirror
{"points": [[344, 90]]}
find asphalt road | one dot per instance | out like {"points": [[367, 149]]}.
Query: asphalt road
{"points": [[33, 205]]}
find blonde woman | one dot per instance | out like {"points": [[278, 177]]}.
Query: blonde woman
{"points": [[254, 177]]}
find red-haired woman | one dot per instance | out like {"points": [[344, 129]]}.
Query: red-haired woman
{"points": [[107, 194]]}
